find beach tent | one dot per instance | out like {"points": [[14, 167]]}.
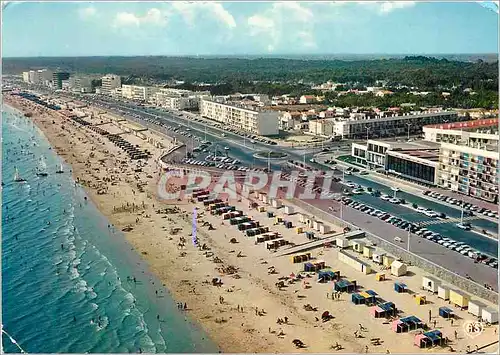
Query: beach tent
{"points": [[435, 336], [446, 312], [443, 293], [420, 299], [422, 341], [476, 307], [345, 286], [389, 308], [357, 298], [326, 275], [398, 268], [413, 322], [309, 267], [370, 296], [377, 312], [310, 235], [399, 326], [490, 315], [400, 287], [379, 276]]}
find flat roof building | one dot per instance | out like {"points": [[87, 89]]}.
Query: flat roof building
{"points": [[468, 158], [358, 126], [139, 93], [255, 120], [110, 82], [58, 77]]}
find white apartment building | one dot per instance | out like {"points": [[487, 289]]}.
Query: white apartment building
{"points": [[80, 84], [469, 158], [37, 77], [176, 103], [110, 82], [322, 127], [360, 127], [259, 122], [138, 93], [180, 99]]}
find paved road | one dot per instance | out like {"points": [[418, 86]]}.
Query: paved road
{"points": [[429, 250]]}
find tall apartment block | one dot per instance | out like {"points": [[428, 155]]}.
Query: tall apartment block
{"points": [[468, 159], [109, 83]]}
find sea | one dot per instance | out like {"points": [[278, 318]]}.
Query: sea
{"points": [[67, 273]]}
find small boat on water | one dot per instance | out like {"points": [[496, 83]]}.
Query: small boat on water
{"points": [[42, 168], [17, 177], [60, 170], [226, 148]]}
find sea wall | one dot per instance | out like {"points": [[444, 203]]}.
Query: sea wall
{"points": [[448, 276]]}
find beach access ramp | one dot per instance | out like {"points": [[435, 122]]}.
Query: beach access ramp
{"points": [[320, 242]]}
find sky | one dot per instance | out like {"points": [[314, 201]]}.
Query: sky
{"points": [[32, 29]]}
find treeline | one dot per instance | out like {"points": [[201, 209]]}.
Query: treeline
{"points": [[487, 99], [422, 72]]}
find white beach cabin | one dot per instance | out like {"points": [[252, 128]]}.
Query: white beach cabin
{"points": [[430, 284]]}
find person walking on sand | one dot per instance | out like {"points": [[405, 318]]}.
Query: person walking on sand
{"points": [[430, 315], [366, 349], [451, 321], [456, 335]]}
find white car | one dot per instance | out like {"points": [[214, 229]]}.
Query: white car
{"points": [[397, 239]]}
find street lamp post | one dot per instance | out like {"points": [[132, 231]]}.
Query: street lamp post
{"points": [[409, 125], [409, 235], [269, 161]]}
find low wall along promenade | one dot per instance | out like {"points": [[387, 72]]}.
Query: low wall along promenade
{"points": [[445, 275], [456, 280]]}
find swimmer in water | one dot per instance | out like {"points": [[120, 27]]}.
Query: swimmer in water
{"points": [[62, 246]]}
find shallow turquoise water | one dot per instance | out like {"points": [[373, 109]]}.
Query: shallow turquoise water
{"points": [[64, 271]]}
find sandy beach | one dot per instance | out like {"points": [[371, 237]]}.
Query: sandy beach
{"points": [[241, 314]]}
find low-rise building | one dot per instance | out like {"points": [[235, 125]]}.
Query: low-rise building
{"points": [[254, 120], [358, 126], [307, 99], [322, 127]]}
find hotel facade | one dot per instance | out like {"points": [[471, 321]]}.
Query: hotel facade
{"points": [[468, 157]]}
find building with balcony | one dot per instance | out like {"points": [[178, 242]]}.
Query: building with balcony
{"points": [[254, 120], [360, 126], [139, 93], [322, 127], [57, 79], [80, 84], [180, 99], [468, 158], [110, 82]]}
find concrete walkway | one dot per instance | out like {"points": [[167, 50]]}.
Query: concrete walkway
{"points": [[318, 243]]}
